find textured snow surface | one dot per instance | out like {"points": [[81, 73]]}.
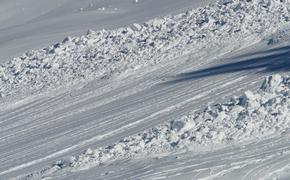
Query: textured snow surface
{"points": [[103, 53], [24, 26], [249, 116], [115, 116]]}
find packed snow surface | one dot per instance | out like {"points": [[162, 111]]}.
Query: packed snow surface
{"points": [[250, 116]]}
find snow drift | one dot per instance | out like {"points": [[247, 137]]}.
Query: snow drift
{"points": [[103, 53], [249, 116]]}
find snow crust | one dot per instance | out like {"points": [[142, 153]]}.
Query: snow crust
{"points": [[249, 116], [103, 53]]}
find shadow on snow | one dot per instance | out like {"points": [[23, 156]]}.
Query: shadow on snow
{"points": [[273, 60]]}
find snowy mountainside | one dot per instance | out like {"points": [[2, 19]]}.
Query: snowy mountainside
{"points": [[103, 53], [129, 103]]}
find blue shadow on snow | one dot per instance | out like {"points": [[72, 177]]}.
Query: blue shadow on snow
{"points": [[273, 60]]}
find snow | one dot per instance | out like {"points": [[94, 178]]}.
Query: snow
{"points": [[24, 26], [250, 116], [176, 97], [103, 53], [58, 126]]}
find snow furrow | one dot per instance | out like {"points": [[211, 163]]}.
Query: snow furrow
{"points": [[252, 115]]}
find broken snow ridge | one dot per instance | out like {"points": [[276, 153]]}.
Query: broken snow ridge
{"points": [[103, 53]]}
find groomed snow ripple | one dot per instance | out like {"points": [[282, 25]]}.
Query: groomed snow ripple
{"points": [[249, 116], [103, 53]]}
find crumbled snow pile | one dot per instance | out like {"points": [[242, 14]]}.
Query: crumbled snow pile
{"points": [[250, 116], [103, 53]]}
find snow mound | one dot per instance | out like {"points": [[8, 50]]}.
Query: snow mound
{"points": [[249, 116], [103, 53]]}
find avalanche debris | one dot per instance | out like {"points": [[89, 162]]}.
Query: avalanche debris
{"points": [[108, 52]]}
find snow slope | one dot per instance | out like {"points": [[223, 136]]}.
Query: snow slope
{"points": [[103, 53], [142, 123], [247, 117], [98, 114], [31, 24]]}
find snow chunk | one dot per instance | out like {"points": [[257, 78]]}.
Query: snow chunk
{"points": [[273, 84]]}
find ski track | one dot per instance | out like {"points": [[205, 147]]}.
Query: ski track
{"points": [[240, 162], [44, 128], [70, 126]]}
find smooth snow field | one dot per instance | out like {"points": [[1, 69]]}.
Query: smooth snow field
{"points": [[158, 89]]}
